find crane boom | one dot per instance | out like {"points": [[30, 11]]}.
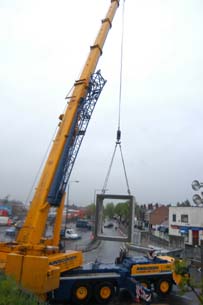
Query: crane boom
{"points": [[35, 222], [33, 260]]}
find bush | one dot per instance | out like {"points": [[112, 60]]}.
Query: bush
{"points": [[12, 294], [181, 267], [181, 270]]}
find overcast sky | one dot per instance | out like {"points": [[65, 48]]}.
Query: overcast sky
{"points": [[43, 47]]}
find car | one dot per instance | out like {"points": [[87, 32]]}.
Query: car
{"points": [[109, 225], [83, 223], [163, 229], [11, 231], [69, 233]]}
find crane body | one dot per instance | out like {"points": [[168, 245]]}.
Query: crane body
{"points": [[36, 262]]}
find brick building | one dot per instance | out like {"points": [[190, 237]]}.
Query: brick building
{"points": [[158, 216]]}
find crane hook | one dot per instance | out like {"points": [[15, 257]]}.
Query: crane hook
{"points": [[118, 136]]}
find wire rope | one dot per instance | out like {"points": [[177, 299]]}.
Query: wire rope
{"points": [[118, 135]]}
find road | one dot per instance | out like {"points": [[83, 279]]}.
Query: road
{"points": [[106, 252]]}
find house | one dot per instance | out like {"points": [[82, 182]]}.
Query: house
{"points": [[186, 222], [158, 216]]}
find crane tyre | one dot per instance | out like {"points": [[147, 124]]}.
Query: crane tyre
{"points": [[145, 284], [104, 292], [81, 293], [163, 286]]}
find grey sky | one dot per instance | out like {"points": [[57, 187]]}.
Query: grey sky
{"points": [[44, 45]]}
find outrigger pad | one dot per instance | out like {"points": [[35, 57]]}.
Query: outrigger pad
{"points": [[120, 232]]}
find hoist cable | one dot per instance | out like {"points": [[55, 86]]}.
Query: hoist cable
{"points": [[110, 167], [126, 178], [121, 66], [109, 171], [118, 135]]}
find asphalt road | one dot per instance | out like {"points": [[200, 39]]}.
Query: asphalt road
{"points": [[106, 252]]}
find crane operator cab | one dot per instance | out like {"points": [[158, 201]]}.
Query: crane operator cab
{"points": [[151, 254]]}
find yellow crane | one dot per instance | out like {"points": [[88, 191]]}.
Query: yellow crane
{"points": [[35, 262]]}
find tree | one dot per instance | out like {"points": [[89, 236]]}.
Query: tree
{"points": [[185, 203], [90, 210], [122, 210], [109, 210]]}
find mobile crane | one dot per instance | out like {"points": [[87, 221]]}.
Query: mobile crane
{"points": [[36, 262]]}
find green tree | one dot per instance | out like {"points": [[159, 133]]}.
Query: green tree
{"points": [[109, 210], [90, 210], [122, 210]]}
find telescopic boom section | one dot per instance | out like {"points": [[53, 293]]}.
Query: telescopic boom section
{"points": [[34, 226]]}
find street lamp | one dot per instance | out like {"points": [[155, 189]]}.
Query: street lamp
{"points": [[198, 200], [196, 185], [68, 198]]}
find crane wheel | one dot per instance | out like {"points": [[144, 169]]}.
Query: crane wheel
{"points": [[81, 293], [104, 292], [145, 284], [163, 286]]}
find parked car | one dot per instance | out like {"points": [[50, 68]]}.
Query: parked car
{"points": [[11, 231], [109, 225], [163, 229], [69, 233], [83, 223]]}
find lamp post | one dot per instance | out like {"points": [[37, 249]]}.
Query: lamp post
{"points": [[68, 198], [198, 200]]}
